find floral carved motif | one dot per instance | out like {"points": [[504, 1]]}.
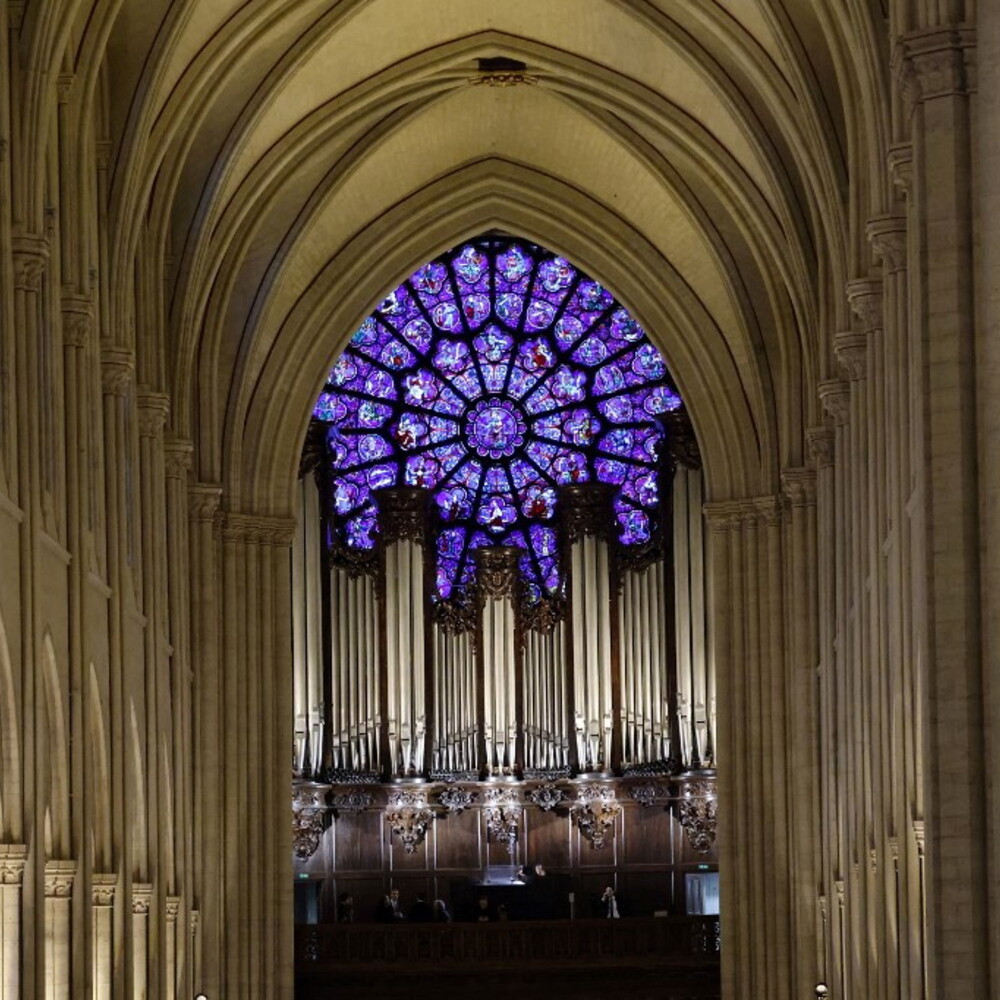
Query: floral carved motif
{"points": [[595, 813], [496, 571], [647, 795], [546, 796], [402, 513], [457, 799], [351, 801]]}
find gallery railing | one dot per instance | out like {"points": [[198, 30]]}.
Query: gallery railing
{"points": [[666, 940]]}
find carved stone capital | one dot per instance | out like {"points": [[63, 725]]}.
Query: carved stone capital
{"points": [[937, 62], [918, 836], [77, 320], [900, 163], [697, 811], [727, 515], [142, 897], [103, 888], [154, 408], [59, 877], [64, 87], [102, 149], [204, 500], [402, 513], [496, 571], [851, 349], [195, 922], [821, 444], [177, 455], [31, 255], [173, 908], [835, 395], [799, 485], [586, 509], [15, 14], [865, 299], [117, 369], [13, 858], [887, 235]]}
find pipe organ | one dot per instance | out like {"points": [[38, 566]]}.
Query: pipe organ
{"points": [[610, 676]]}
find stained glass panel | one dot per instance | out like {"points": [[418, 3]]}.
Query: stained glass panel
{"points": [[494, 375]]}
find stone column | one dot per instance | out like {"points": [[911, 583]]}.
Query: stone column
{"points": [[497, 589], [171, 984], [205, 603], [12, 864], [103, 888], [59, 877], [142, 896], [938, 67], [746, 548], [588, 518]]}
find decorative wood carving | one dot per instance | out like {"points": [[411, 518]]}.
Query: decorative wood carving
{"points": [[503, 810], [546, 796], [697, 811], [585, 509], [496, 571], [402, 513], [595, 813], [409, 816], [308, 814], [457, 799]]}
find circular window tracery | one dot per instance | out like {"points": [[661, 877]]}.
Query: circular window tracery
{"points": [[492, 376]]}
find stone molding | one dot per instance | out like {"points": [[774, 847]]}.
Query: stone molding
{"points": [[77, 320], [59, 878], [154, 409], [733, 515], [835, 395], [851, 350], [260, 529], [173, 908], [103, 889], [887, 236], [195, 922], [142, 897], [117, 369], [821, 444], [64, 87], [31, 256], [13, 858]]}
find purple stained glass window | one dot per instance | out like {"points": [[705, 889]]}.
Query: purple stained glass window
{"points": [[493, 376]]}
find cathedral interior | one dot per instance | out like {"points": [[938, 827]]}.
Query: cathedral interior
{"points": [[528, 461]]}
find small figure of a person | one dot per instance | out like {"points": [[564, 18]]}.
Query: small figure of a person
{"points": [[388, 911], [441, 913], [610, 903], [502, 912], [345, 908], [421, 912], [483, 910]]}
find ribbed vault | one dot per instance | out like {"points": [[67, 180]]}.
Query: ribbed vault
{"points": [[696, 155]]}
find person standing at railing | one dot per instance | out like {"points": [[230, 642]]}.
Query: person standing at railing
{"points": [[610, 903]]}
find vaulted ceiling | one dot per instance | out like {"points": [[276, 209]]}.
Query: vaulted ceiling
{"points": [[273, 168]]}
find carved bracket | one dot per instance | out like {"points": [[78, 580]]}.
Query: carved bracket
{"points": [[308, 813], [697, 809], [503, 816], [595, 813], [409, 816], [649, 794], [351, 801]]}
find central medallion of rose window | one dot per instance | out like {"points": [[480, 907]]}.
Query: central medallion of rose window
{"points": [[495, 428]]}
